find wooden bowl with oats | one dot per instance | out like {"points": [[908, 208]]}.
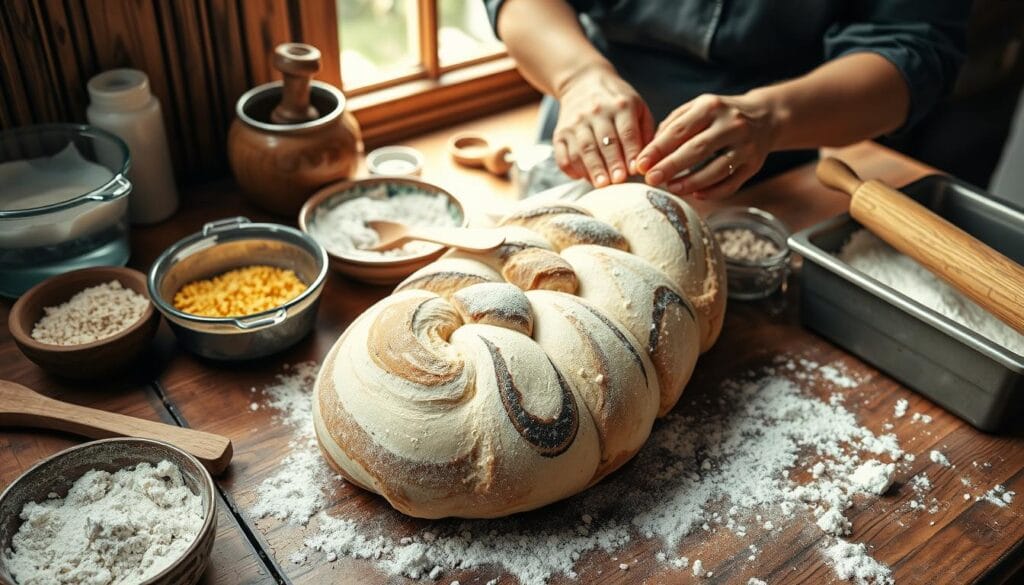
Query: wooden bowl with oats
{"points": [[98, 356]]}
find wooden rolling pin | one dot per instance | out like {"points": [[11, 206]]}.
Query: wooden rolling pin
{"points": [[984, 275], [23, 407]]}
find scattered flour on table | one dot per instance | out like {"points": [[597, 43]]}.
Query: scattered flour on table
{"points": [[708, 472], [111, 528], [853, 563], [940, 458], [764, 452], [301, 486], [342, 229], [900, 410], [872, 256]]}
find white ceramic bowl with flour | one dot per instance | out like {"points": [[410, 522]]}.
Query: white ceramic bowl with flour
{"points": [[335, 216], [63, 202], [168, 495]]}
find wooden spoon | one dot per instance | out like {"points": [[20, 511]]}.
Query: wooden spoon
{"points": [[23, 407], [984, 275], [393, 234]]}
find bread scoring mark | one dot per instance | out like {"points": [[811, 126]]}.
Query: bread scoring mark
{"points": [[664, 297], [442, 281], [549, 437], [621, 337], [399, 343], [675, 215]]}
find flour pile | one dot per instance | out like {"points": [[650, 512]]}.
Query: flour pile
{"points": [[115, 529], [764, 450], [872, 256]]}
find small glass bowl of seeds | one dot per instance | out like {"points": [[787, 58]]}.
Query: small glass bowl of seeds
{"points": [[753, 242]]}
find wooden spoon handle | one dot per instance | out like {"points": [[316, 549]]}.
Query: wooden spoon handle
{"points": [[471, 239], [984, 275], [20, 406]]}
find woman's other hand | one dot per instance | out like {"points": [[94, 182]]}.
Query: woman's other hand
{"points": [[603, 124], [731, 134]]}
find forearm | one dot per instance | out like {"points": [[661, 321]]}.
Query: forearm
{"points": [[852, 98], [546, 41]]}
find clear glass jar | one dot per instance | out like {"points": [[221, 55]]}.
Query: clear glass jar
{"points": [[754, 279]]}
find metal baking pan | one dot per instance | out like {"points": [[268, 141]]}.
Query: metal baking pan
{"points": [[967, 374]]}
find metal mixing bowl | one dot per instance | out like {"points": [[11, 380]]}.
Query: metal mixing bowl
{"points": [[234, 243], [58, 472]]}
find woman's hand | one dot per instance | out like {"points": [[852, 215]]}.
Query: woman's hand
{"points": [[602, 125], [732, 134]]}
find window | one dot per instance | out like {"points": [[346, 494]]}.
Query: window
{"points": [[409, 65]]}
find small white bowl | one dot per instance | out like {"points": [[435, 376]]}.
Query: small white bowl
{"points": [[395, 161], [385, 270]]}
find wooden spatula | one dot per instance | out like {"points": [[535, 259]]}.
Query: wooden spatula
{"points": [[23, 407], [984, 275], [393, 234]]}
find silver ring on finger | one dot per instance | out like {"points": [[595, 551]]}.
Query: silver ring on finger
{"points": [[607, 140], [729, 156]]}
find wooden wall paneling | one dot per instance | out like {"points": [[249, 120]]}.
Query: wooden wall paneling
{"points": [[265, 23], [74, 57], [192, 85], [15, 108], [25, 53], [229, 56], [318, 26], [126, 33]]}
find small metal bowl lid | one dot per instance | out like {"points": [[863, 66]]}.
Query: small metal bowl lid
{"points": [[231, 229]]}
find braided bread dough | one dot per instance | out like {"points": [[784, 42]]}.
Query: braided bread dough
{"points": [[495, 383]]}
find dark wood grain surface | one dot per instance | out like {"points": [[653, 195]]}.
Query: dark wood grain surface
{"points": [[966, 541]]}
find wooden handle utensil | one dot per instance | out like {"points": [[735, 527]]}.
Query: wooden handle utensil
{"points": [[476, 152], [298, 63], [393, 234], [984, 275], [23, 407]]}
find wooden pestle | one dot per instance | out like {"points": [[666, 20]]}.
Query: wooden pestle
{"points": [[298, 63], [23, 407], [984, 275]]}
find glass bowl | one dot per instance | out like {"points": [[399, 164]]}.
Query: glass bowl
{"points": [[754, 279], [63, 202]]}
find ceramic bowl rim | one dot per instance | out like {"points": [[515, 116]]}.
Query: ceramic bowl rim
{"points": [[25, 338], [207, 490], [315, 85], [340, 187]]}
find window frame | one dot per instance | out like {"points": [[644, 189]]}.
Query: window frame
{"points": [[427, 97]]}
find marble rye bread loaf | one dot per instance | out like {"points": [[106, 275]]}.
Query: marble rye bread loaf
{"points": [[490, 384]]}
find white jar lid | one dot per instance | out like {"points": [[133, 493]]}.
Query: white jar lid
{"points": [[123, 89], [395, 161]]}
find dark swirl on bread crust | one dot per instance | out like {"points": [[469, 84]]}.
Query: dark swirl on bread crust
{"points": [[548, 436], [674, 214], [663, 298]]}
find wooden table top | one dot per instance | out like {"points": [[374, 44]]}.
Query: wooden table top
{"points": [[966, 542]]}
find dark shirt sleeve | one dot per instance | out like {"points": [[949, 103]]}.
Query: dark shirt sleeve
{"points": [[926, 41]]}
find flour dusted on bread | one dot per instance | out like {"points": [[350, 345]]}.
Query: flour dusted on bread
{"points": [[498, 382]]}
